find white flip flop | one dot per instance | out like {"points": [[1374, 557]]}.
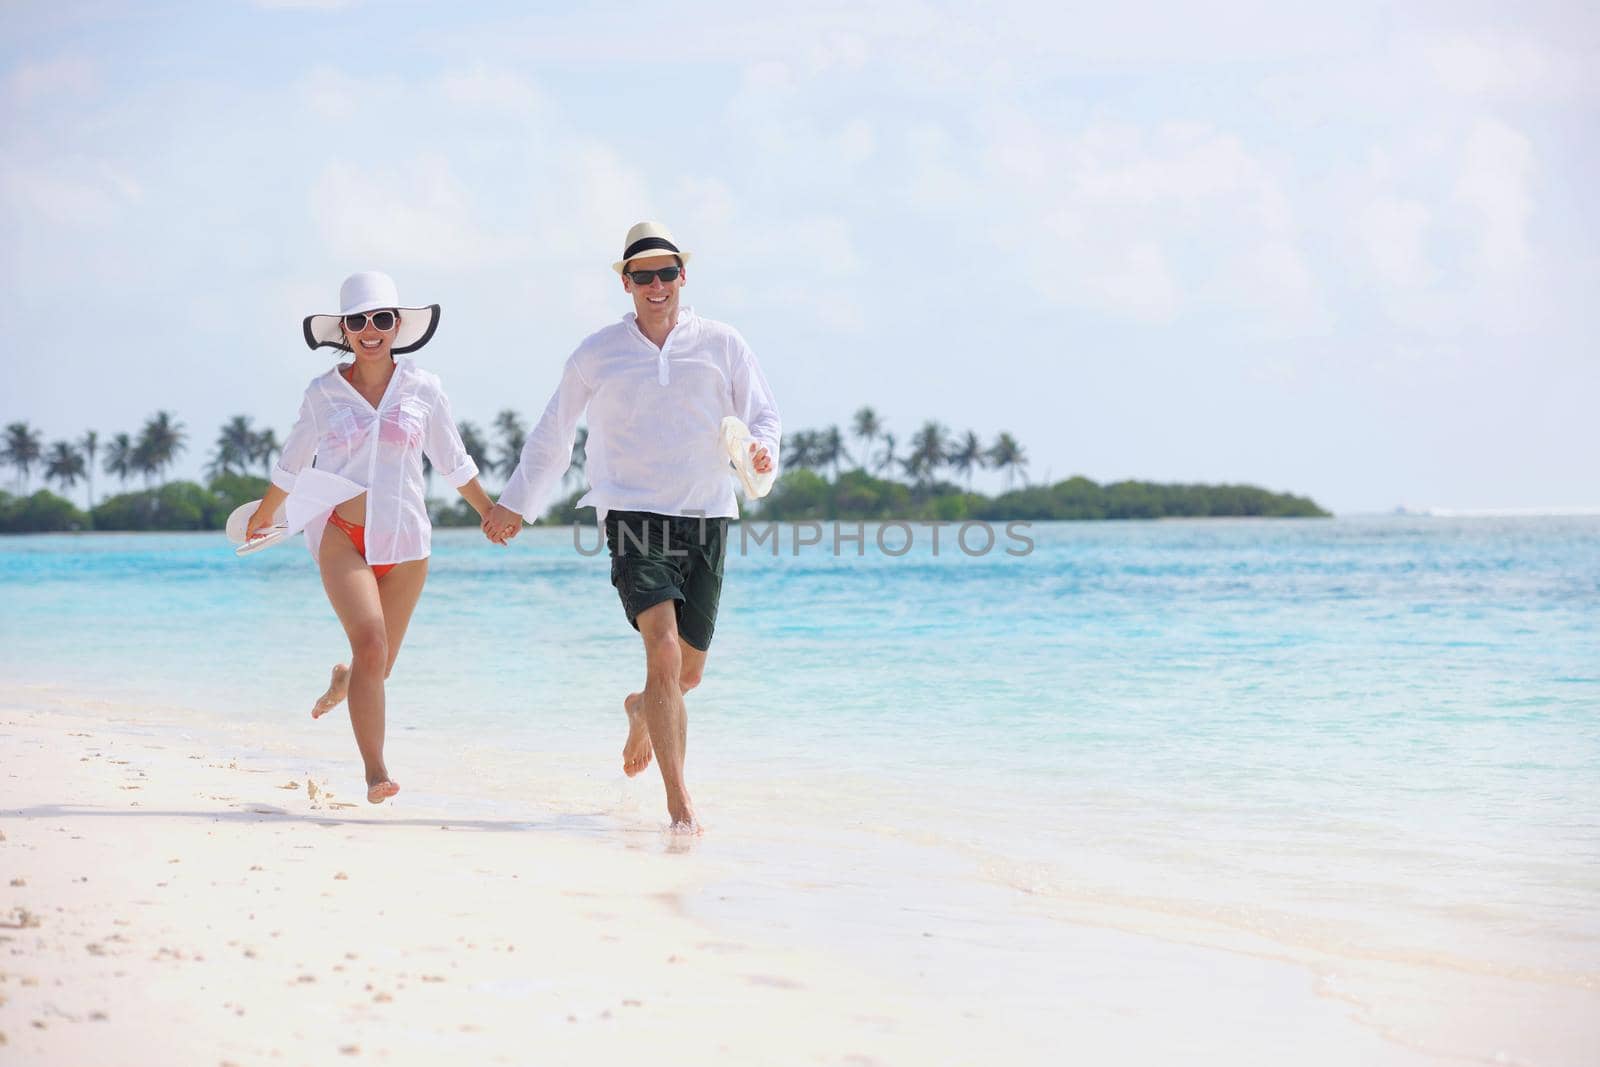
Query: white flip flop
{"points": [[265, 538], [737, 440]]}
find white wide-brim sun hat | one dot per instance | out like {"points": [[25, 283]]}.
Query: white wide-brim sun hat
{"points": [[648, 239], [373, 290]]}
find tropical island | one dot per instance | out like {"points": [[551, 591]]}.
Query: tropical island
{"points": [[881, 478]]}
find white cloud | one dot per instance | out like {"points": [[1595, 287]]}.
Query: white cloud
{"points": [[598, 193], [791, 121], [1148, 222], [49, 79], [1513, 68], [1494, 186], [338, 96], [483, 86], [855, 143], [78, 194], [1132, 279], [417, 215], [937, 182], [1392, 229], [302, 5]]}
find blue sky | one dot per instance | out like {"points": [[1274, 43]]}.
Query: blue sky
{"points": [[1350, 253]]}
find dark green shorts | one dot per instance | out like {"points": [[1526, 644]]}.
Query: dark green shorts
{"points": [[669, 557]]}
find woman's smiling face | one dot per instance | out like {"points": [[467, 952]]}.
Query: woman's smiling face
{"points": [[369, 343]]}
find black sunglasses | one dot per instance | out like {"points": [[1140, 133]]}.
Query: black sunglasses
{"points": [[645, 277], [382, 321]]}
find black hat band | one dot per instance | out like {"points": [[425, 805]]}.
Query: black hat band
{"points": [[646, 244]]}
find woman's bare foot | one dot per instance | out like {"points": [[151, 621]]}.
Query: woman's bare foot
{"points": [[636, 751], [338, 686], [378, 792]]}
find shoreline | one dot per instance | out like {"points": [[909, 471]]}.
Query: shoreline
{"points": [[179, 885]]}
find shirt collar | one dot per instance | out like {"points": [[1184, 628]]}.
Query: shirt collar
{"points": [[688, 322]]}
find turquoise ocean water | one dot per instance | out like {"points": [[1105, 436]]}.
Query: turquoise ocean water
{"points": [[1369, 739]]}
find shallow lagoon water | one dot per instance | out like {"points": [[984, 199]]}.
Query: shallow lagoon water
{"points": [[1361, 743]]}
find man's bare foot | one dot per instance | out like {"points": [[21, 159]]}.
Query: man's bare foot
{"points": [[681, 812], [636, 751], [378, 792], [338, 686]]}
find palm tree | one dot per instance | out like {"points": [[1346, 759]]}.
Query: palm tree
{"points": [[829, 445], [159, 444], [22, 449], [968, 454], [64, 465], [472, 440], [580, 457], [119, 458], [513, 435], [264, 448], [868, 427], [90, 445], [928, 450], [886, 458], [1006, 455], [801, 451], [235, 447]]}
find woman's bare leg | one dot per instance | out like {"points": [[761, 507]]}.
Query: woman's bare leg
{"points": [[399, 591], [353, 592]]}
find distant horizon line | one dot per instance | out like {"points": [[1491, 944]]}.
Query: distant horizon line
{"points": [[1537, 511]]}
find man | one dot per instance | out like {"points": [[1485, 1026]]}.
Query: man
{"points": [[656, 387]]}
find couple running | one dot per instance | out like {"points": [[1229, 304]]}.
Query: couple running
{"points": [[655, 387]]}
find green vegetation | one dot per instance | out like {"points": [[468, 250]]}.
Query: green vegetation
{"points": [[804, 494], [179, 505], [822, 480], [43, 512]]}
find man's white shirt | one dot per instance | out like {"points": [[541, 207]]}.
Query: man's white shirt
{"points": [[655, 421]]}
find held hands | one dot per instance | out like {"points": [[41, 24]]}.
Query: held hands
{"points": [[501, 524], [761, 458]]}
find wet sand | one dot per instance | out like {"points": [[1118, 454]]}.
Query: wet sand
{"points": [[167, 899]]}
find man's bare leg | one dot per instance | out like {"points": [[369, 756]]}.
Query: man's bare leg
{"points": [[636, 749], [661, 704]]}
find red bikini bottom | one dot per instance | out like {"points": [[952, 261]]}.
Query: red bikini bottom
{"points": [[358, 537]]}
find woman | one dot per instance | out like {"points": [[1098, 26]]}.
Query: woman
{"points": [[368, 423]]}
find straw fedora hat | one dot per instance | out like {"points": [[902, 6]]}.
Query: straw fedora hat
{"points": [[373, 291], [648, 239]]}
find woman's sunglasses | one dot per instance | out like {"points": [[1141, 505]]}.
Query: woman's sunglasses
{"points": [[382, 321], [645, 277]]}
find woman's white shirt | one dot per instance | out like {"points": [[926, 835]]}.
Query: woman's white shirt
{"points": [[376, 450]]}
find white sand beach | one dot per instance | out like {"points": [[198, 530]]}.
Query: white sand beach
{"points": [[168, 900]]}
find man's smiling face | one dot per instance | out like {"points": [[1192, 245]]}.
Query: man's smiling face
{"points": [[658, 299]]}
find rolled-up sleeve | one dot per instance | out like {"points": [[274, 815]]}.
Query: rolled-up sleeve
{"points": [[443, 447], [547, 453], [299, 448], [753, 401]]}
